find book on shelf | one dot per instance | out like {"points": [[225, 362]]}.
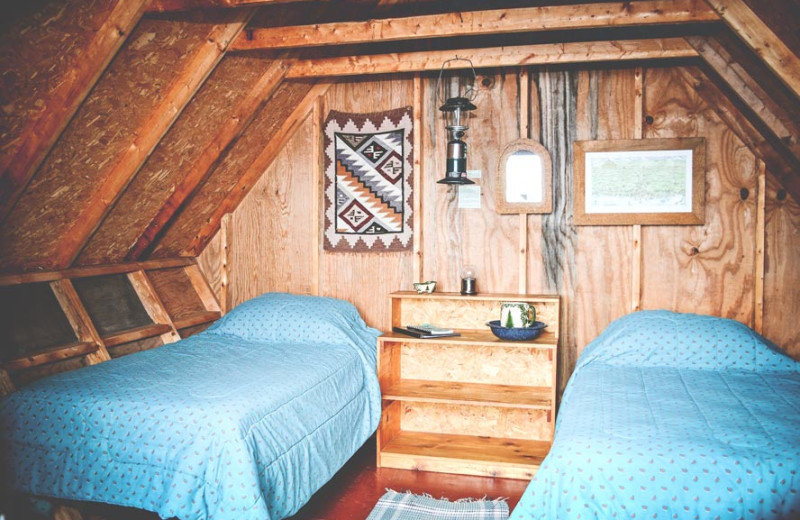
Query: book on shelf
{"points": [[427, 328], [420, 334]]}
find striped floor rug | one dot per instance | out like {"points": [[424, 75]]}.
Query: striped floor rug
{"points": [[407, 506]]}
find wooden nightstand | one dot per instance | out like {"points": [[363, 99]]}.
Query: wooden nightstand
{"points": [[471, 404]]}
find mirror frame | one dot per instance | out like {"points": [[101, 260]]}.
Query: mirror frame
{"points": [[545, 206]]}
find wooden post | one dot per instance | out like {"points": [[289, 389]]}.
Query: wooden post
{"points": [[318, 190], [153, 305], [418, 108], [6, 386], [224, 262], [524, 133], [761, 205], [636, 232], [79, 319]]}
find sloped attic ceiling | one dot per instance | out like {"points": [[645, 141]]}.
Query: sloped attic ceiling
{"points": [[130, 128]]}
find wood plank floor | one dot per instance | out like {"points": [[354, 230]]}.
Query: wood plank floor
{"points": [[354, 490]]}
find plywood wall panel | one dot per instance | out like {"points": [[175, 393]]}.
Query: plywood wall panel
{"points": [[604, 111], [271, 251], [231, 166], [710, 268], [210, 263], [782, 269], [456, 237], [100, 133], [366, 279], [173, 158]]}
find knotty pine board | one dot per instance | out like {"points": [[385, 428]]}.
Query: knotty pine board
{"points": [[705, 269]]}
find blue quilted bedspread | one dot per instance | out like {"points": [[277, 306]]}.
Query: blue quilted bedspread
{"points": [[674, 416], [243, 421]]}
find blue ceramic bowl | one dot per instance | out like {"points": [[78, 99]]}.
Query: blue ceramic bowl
{"points": [[517, 333]]}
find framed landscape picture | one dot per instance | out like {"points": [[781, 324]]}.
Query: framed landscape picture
{"points": [[639, 181]]}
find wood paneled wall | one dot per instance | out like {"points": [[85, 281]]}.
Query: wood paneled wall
{"points": [[271, 240]]}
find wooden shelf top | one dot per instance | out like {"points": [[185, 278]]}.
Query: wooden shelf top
{"points": [[145, 331], [451, 392], [51, 355], [547, 298], [547, 340], [468, 448]]}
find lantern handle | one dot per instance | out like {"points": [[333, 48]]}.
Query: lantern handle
{"points": [[471, 91]]}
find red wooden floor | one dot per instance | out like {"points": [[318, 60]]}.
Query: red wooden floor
{"points": [[352, 493]]}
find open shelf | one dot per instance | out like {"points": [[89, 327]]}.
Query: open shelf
{"points": [[466, 454], [145, 331], [547, 340], [450, 392], [51, 355]]}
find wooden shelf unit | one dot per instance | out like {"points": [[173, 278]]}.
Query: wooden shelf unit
{"points": [[470, 404]]}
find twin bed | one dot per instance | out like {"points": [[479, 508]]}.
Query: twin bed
{"points": [[665, 416], [243, 421], [674, 416]]}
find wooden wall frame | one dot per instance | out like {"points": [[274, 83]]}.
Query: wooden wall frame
{"points": [[524, 146], [623, 156]]}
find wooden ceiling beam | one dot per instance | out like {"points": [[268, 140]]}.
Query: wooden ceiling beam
{"points": [[498, 21], [539, 54], [256, 169], [760, 38], [748, 89], [163, 6], [186, 81], [218, 141], [783, 168], [20, 161]]}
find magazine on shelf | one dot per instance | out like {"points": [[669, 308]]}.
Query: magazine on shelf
{"points": [[419, 334], [427, 328]]}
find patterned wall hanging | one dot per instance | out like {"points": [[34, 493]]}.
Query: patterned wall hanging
{"points": [[368, 189]]}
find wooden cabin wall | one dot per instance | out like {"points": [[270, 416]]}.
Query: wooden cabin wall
{"points": [[271, 244]]}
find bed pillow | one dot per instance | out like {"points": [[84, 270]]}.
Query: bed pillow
{"points": [[665, 338], [292, 318]]}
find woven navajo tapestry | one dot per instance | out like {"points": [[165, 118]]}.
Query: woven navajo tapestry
{"points": [[368, 189]]}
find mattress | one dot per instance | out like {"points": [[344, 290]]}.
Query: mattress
{"points": [[222, 425], [674, 416]]}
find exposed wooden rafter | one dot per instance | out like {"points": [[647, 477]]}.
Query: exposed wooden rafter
{"points": [[716, 54], [256, 169], [760, 38], [19, 161], [242, 116], [539, 54], [498, 21], [162, 6], [185, 83]]}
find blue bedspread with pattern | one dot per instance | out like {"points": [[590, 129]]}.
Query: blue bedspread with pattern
{"points": [[243, 421], [674, 416]]}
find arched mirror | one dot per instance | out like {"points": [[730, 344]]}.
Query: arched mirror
{"points": [[524, 179]]}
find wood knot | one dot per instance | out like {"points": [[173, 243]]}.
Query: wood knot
{"points": [[487, 82], [744, 193], [694, 251], [781, 194], [649, 119]]}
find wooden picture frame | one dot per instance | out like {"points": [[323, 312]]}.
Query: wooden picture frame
{"points": [[639, 181], [538, 189]]}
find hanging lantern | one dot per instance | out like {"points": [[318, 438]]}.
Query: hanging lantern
{"points": [[458, 91]]}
